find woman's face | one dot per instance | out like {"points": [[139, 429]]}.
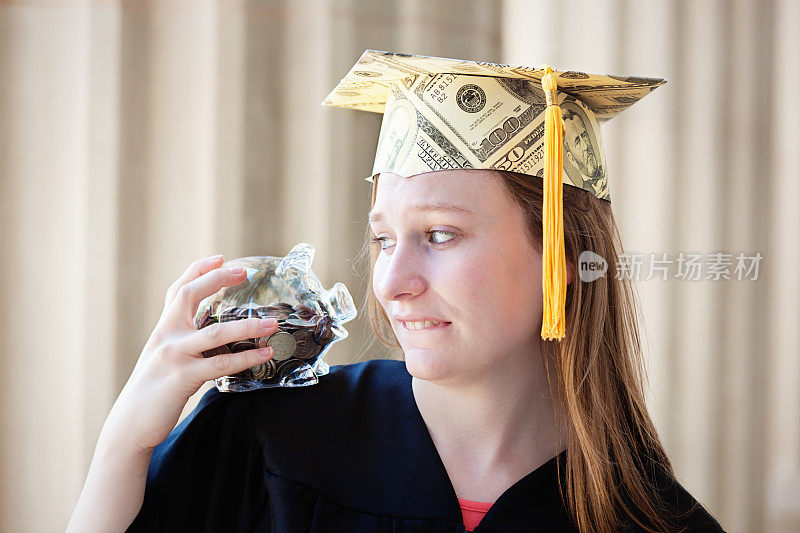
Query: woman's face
{"points": [[471, 267]]}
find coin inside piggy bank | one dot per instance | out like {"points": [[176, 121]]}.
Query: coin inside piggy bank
{"points": [[309, 319]]}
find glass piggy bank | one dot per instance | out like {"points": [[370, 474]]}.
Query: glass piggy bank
{"points": [[309, 319]]}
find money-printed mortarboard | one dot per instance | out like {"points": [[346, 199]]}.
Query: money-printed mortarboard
{"points": [[444, 114]]}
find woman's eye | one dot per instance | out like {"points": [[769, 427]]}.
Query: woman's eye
{"points": [[442, 232], [381, 240], [378, 240]]}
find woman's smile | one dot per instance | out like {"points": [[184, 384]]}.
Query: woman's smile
{"points": [[426, 325]]}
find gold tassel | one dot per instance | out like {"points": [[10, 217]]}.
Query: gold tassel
{"points": [[554, 269]]}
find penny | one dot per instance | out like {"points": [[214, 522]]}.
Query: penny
{"points": [[201, 322], [280, 307], [306, 347], [283, 345], [220, 350], [240, 346], [228, 315], [265, 370], [304, 311], [272, 369], [289, 366]]}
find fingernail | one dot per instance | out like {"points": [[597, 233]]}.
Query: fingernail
{"points": [[265, 352], [267, 322], [214, 258], [236, 270]]}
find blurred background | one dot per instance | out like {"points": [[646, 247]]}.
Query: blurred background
{"points": [[136, 137]]}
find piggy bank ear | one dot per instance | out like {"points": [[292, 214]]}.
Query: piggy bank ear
{"points": [[300, 257], [339, 303]]}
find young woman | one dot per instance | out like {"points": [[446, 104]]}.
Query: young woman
{"points": [[482, 426]]}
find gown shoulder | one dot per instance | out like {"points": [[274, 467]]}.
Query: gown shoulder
{"points": [[688, 515], [206, 475], [316, 458], [691, 515]]}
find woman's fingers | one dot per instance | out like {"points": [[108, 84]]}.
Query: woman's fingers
{"points": [[228, 364], [192, 293], [221, 333], [195, 270]]}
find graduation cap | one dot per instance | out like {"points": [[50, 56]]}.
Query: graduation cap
{"points": [[444, 114]]}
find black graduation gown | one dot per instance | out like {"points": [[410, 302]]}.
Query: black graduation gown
{"points": [[351, 454]]}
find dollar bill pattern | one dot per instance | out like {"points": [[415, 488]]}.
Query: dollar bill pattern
{"points": [[429, 124]]}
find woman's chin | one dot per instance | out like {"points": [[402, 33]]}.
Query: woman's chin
{"points": [[429, 365]]}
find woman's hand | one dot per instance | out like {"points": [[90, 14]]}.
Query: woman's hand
{"points": [[171, 367]]}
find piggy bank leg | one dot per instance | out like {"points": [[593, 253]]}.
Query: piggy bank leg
{"points": [[300, 378]]}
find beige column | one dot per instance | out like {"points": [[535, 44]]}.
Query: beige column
{"points": [[781, 428], [44, 215]]}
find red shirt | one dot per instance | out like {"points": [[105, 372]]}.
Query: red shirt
{"points": [[473, 512]]}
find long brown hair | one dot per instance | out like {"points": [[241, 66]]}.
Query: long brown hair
{"points": [[613, 449]]}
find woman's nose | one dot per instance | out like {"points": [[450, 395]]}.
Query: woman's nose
{"points": [[401, 274]]}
